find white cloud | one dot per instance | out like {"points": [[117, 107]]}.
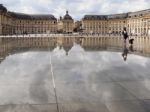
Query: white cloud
{"points": [[77, 8]]}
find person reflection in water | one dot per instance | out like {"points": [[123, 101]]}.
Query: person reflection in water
{"points": [[125, 52], [125, 49]]}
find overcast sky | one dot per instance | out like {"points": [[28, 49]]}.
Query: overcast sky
{"points": [[77, 8]]}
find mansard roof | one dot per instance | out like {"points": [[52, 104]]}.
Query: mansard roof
{"points": [[42, 16], [19, 15], [105, 17], [2, 8], [139, 13], [32, 16], [118, 16], [95, 17]]}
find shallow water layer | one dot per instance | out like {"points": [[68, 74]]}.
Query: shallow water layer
{"points": [[76, 81]]}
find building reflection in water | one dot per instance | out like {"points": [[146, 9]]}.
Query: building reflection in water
{"points": [[85, 82], [20, 44]]}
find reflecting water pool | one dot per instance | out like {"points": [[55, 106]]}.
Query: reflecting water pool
{"points": [[79, 80]]}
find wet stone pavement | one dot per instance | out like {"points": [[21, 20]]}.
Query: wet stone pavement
{"points": [[79, 81]]}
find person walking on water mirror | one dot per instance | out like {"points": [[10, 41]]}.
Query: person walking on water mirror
{"points": [[125, 52], [125, 34]]}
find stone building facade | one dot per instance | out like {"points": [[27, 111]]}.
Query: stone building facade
{"points": [[66, 24], [94, 24], [19, 23], [137, 23]]}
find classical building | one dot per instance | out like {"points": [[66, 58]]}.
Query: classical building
{"points": [[19, 23], [95, 24], [66, 24], [137, 23], [116, 23]]}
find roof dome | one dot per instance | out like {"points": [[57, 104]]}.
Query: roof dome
{"points": [[67, 16], [2, 8]]}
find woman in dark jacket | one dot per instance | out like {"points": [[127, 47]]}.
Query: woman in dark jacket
{"points": [[125, 34]]}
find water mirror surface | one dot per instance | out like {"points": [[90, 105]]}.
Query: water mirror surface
{"points": [[73, 75]]}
